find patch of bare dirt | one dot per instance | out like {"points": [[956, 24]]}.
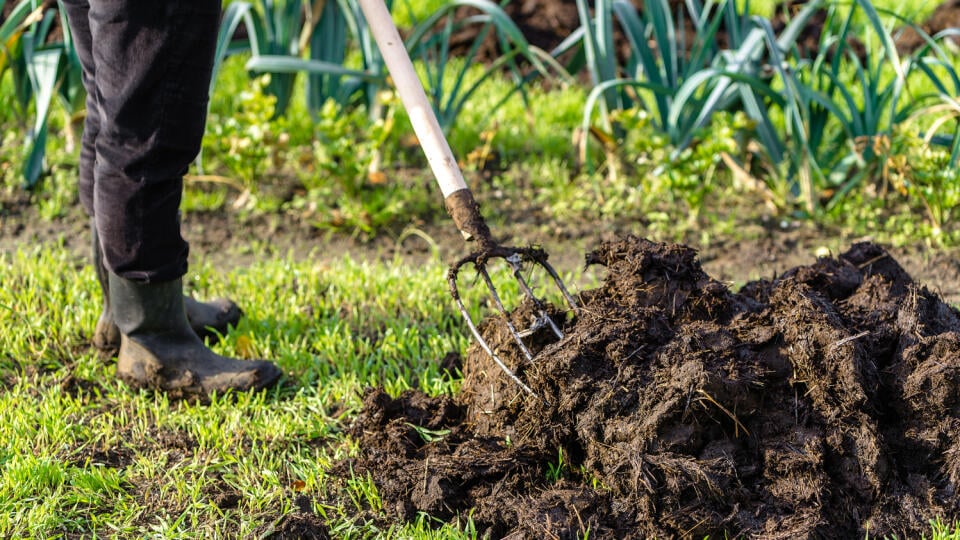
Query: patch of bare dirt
{"points": [[221, 493], [115, 457], [824, 403], [295, 526], [763, 248], [947, 15]]}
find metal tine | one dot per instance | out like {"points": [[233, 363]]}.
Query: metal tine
{"points": [[484, 345], [559, 282], [515, 262], [482, 269]]}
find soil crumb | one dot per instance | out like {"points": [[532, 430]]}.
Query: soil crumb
{"points": [[295, 526], [824, 403]]}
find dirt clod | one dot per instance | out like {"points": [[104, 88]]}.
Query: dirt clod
{"points": [[824, 403], [295, 526]]}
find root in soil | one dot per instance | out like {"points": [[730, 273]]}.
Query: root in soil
{"points": [[824, 403]]}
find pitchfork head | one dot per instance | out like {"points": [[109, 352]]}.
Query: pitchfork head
{"points": [[515, 259]]}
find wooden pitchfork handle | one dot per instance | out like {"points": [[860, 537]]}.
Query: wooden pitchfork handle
{"points": [[457, 197]]}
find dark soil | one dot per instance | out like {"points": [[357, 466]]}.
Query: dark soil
{"points": [[824, 403], [947, 15], [295, 526], [763, 246]]}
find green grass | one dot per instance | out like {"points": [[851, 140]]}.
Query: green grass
{"points": [[337, 329]]}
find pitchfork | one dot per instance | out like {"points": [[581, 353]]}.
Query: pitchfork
{"points": [[458, 199]]}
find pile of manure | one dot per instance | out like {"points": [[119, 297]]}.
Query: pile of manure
{"points": [[824, 403]]}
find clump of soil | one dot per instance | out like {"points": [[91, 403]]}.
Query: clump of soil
{"points": [[295, 526], [824, 403]]}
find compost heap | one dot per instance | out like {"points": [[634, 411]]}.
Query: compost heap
{"points": [[821, 404]]}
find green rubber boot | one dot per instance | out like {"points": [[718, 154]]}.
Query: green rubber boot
{"points": [[208, 319], [159, 349]]}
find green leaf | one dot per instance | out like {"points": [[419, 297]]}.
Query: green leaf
{"points": [[430, 40], [43, 67], [71, 91], [235, 13], [288, 64], [14, 23], [328, 43], [600, 61]]}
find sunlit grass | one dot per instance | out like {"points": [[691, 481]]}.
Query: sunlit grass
{"points": [[83, 454]]}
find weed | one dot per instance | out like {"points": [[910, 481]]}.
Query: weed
{"points": [[557, 470], [243, 141]]}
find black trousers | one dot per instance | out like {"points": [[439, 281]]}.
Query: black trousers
{"points": [[146, 69]]}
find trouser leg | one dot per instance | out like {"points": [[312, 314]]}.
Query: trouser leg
{"points": [[151, 64], [207, 318], [78, 18], [105, 336]]}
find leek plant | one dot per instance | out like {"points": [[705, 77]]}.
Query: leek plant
{"points": [[430, 39], [940, 69], [682, 85], [935, 170], [283, 42], [339, 22], [19, 20], [42, 72], [274, 27], [841, 109]]}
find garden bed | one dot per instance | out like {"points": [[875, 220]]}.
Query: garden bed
{"points": [[820, 404], [546, 23]]}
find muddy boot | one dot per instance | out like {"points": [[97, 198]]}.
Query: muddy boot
{"points": [[208, 319], [159, 349]]}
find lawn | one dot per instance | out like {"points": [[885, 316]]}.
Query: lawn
{"points": [[83, 455]]}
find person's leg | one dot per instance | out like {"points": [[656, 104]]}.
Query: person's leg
{"points": [[77, 17], [152, 61], [106, 335], [211, 319], [208, 319]]}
